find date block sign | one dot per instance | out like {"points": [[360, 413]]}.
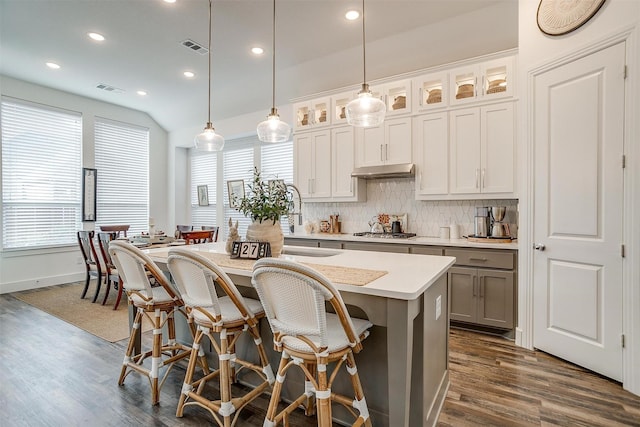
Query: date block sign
{"points": [[250, 249]]}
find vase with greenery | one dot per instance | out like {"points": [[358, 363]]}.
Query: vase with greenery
{"points": [[265, 203]]}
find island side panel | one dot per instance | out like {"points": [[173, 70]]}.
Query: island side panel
{"points": [[436, 350]]}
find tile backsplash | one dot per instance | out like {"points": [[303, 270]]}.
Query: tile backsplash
{"points": [[397, 196]]}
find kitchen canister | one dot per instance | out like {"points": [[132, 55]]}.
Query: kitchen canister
{"points": [[444, 233], [454, 231]]}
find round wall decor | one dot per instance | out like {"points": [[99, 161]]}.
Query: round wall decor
{"points": [[557, 17]]}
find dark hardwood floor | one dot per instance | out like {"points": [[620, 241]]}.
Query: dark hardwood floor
{"points": [[54, 374]]}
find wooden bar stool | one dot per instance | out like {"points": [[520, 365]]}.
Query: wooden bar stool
{"points": [[310, 338], [158, 304], [227, 316]]}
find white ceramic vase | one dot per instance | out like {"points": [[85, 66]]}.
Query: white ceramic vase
{"points": [[267, 231]]}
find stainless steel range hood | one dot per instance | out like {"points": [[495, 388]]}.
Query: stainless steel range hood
{"points": [[402, 170]]}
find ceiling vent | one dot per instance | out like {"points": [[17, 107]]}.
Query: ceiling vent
{"points": [[109, 88], [195, 47]]}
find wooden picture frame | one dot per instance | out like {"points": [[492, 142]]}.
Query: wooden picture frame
{"points": [[235, 189], [203, 195], [89, 189]]}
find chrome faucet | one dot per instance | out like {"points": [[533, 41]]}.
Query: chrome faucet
{"points": [[299, 213]]}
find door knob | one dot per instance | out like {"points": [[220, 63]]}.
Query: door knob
{"points": [[539, 247]]}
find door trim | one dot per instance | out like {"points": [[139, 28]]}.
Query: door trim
{"points": [[631, 201]]}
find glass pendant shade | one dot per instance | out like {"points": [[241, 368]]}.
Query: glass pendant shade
{"points": [[209, 140], [273, 129], [366, 110]]}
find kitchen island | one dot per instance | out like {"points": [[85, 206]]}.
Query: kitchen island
{"points": [[403, 365]]}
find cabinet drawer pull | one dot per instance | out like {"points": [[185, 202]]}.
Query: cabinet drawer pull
{"points": [[420, 91], [482, 183], [474, 285], [477, 178], [481, 288], [381, 158], [477, 259]]}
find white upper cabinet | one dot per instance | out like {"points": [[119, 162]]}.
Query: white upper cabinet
{"points": [[430, 91], [389, 143], [484, 81], [312, 152], [481, 150], [311, 114], [344, 187], [431, 155]]}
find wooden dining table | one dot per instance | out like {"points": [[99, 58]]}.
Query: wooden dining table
{"points": [[404, 364]]}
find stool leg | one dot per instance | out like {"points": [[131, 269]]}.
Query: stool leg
{"points": [[130, 347], [191, 367], [156, 357], [277, 389], [310, 403], [225, 378], [323, 395], [357, 389]]}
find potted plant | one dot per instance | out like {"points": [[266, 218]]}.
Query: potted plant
{"points": [[265, 203]]}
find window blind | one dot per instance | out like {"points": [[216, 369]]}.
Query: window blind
{"points": [[276, 162], [41, 175], [204, 168], [237, 164], [122, 160]]}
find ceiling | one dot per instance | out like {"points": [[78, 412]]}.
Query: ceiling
{"points": [[317, 49]]}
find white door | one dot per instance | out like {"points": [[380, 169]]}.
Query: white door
{"points": [[578, 201]]}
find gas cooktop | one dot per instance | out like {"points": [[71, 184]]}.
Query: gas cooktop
{"points": [[385, 235]]}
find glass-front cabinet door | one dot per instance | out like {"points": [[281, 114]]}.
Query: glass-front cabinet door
{"points": [[430, 92], [484, 81], [339, 106], [397, 96], [313, 113]]}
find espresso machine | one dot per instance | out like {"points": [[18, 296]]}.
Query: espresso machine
{"points": [[482, 224]]}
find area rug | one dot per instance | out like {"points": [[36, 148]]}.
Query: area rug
{"points": [[63, 301]]}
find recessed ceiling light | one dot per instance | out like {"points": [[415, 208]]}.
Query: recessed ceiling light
{"points": [[53, 65], [257, 50], [95, 36], [189, 74], [352, 15], [142, 93], [169, 1]]}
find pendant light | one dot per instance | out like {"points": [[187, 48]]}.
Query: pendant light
{"points": [[273, 129], [209, 140], [366, 110]]}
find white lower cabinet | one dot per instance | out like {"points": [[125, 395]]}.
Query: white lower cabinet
{"points": [[481, 151], [313, 164]]}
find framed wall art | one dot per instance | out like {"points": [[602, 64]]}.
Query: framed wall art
{"points": [[236, 192], [557, 17], [203, 195], [89, 186]]}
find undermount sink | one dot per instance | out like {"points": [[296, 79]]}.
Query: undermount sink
{"points": [[311, 252]]}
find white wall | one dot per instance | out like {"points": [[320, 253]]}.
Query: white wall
{"points": [[26, 269], [536, 49]]}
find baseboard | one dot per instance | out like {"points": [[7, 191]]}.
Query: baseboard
{"points": [[43, 282]]}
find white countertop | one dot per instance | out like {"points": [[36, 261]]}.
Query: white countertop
{"points": [[408, 275], [430, 241]]}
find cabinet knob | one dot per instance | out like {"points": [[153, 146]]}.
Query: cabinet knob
{"points": [[539, 247]]}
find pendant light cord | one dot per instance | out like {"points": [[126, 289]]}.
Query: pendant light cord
{"points": [[273, 60], [209, 56], [364, 53]]}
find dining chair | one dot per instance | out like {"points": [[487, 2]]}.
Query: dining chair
{"points": [[215, 230], [222, 317], [117, 228], [182, 228], [158, 304], [112, 276], [294, 298], [198, 236], [91, 262]]}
